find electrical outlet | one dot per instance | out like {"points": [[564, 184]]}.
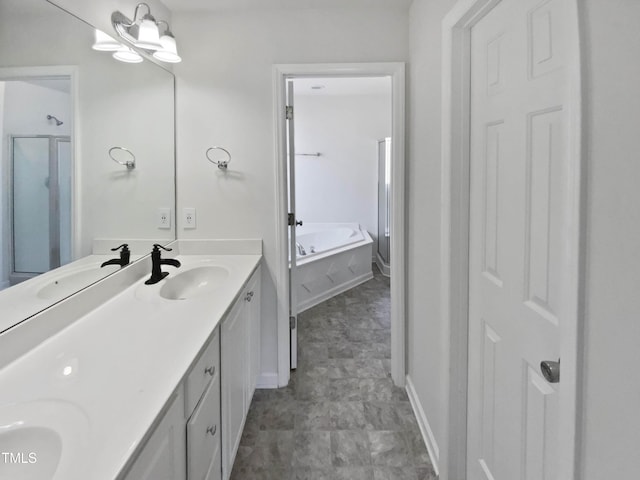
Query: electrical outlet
{"points": [[188, 218], [164, 218]]}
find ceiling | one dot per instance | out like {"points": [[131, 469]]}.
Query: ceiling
{"points": [[343, 86], [214, 5]]}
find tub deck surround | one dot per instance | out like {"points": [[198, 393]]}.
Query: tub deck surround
{"points": [[121, 363], [338, 257]]}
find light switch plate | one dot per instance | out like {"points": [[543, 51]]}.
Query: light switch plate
{"points": [[188, 217], [164, 218]]}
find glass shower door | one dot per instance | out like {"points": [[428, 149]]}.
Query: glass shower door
{"points": [[384, 199], [41, 204]]}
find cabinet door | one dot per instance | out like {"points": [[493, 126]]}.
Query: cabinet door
{"points": [[234, 382], [203, 436], [253, 319], [163, 456]]}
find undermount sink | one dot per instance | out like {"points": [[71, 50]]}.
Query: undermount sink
{"points": [[68, 283], [193, 283], [39, 440]]}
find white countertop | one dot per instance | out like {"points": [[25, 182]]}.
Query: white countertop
{"points": [[120, 363], [24, 299]]}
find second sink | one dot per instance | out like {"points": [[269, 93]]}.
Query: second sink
{"points": [[194, 282]]}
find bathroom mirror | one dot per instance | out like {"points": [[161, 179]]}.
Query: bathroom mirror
{"points": [[70, 119]]}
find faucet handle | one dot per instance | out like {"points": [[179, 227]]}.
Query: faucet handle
{"points": [[124, 247], [158, 246]]}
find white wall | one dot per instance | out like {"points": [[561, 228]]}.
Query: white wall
{"points": [[341, 186], [612, 354], [610, 417], [427, 335], [225, 98]]}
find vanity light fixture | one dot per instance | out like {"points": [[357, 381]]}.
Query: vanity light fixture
{"points": [[104, 43], [169, 51], [143, 32], [125, 54]]}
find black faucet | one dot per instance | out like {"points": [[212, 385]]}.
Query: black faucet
{"points": [[125, 254], [156, 262]]}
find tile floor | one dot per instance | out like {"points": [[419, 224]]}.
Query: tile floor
{"points": [[341, 416]]}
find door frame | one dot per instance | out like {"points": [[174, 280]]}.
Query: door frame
{"points": [[395, 70], [46, 72], [455, 196]]}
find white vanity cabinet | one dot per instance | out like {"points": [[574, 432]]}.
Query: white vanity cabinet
{"points": [[164, 454], [198, 436], [240, 358], [202, 407]]}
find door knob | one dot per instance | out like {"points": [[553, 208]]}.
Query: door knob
{"points": [[550, 370], [299, 223]]}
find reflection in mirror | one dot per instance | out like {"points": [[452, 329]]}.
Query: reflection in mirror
{"points": [[64, 202]]}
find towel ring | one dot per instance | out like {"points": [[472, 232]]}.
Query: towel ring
{"points": [[221, 164], [130, 164]]}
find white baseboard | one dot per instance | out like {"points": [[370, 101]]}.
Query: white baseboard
{"points": [[423, 423], [338, 289], [267, 380], [384, 268]]}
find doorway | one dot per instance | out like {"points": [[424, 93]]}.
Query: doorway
{"points": [[36, 171], [284, 82], [512, 237]]}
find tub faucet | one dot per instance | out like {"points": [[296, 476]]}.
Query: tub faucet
{"points": [[125, 254], [301, 250], [156, 263]]}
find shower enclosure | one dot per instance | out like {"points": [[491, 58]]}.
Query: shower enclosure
{"points": [[40, 194], [384, 205]]}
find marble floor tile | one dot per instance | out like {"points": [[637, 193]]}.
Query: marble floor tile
{"points": [[312, 416], [389, 449], [426, 473], [271, 448], [277, 415], [313, 353], [420, 455], [381, 390], [259, 473], [311, 450], [353, 473], [350, 448], [345, 390], [394, 473], [383, 416], [341, 417], [312, 474], [347, 416]]}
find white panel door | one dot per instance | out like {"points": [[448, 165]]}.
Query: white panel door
{"points": [[293, 269], [519, 212]]}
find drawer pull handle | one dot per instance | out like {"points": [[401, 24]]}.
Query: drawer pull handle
{"points": [[212, 430], [210, 370], [247, 298]]}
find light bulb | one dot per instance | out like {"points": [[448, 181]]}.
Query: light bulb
{"points": [[125, 54]]}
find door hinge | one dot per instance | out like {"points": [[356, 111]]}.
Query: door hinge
{"points": [[291, 219], [292, 322], [289, 112]]}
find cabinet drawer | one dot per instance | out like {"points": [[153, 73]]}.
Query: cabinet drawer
{"points": [[203, 437], [206, 369]]}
